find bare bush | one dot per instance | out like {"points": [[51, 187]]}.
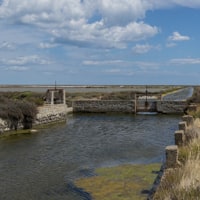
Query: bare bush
{"points": [[15, 112]]}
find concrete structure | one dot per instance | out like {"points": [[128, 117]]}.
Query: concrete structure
{"points": [[51, 113], [55, 96], [179, 137], [99, 106], [46, 114], [171, 156], [176, 107], [182, 126], [129, 106], [188, 119]]}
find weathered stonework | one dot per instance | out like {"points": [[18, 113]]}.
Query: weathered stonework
{"points": [[171, 156], [46, 114], [188, 119], [51, 113], [103, 106], [179, 137], [182, 126], [128, 106], [176, 107]]}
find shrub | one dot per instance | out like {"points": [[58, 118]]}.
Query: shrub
{"points": [[15, 112]]}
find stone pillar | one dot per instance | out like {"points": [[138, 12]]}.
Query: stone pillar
{"points": [[192, 108], [179, 137], [171, 156], [52, 97], [182, 126], [188, 119]]}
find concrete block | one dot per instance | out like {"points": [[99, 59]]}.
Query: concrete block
{"points": [[179, 137], [188, 119], [171, 156], [182, 126]]}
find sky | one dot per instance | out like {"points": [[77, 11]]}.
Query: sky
{"points": [[100, 42]]}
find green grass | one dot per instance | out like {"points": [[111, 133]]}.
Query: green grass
{"points": [[124, 182]]}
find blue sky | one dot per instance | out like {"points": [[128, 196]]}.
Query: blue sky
{"points": [[100, 42]]}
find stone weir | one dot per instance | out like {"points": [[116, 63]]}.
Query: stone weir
{"points": [[130, 106]]}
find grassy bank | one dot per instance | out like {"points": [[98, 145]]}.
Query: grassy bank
{"points": [[126, 182], [183, 183]]}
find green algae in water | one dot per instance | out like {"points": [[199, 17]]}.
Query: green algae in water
{"points": [[125, 182]]}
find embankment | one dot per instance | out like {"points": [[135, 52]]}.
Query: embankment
{"points": [[175, 170]]}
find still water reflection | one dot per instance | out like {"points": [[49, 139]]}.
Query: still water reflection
{"points": [[43, 166]]}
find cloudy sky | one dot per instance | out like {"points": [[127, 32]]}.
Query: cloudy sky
{"points": [[99, 42]]}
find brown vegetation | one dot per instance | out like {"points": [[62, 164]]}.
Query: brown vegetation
{"points": [[183, 183], [16, 111]]}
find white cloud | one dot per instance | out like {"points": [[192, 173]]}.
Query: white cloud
{"points": [[43, 45], [185, 61], [98, 35], [76, 23], [17, 68], [103, 63], [99, 23], [144, 48], [25, 60], [176, 36]]}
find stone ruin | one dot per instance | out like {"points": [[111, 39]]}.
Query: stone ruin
{"points": [[55, 96]]}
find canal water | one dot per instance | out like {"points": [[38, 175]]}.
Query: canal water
{"points": [[44, 165]]}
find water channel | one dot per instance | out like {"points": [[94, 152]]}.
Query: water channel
{"points": [[44, 165]]}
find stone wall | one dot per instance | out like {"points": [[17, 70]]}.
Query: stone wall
{"points": [[46, 114], [103, 106], [51, 113], [128, 106], [170, 107]]}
